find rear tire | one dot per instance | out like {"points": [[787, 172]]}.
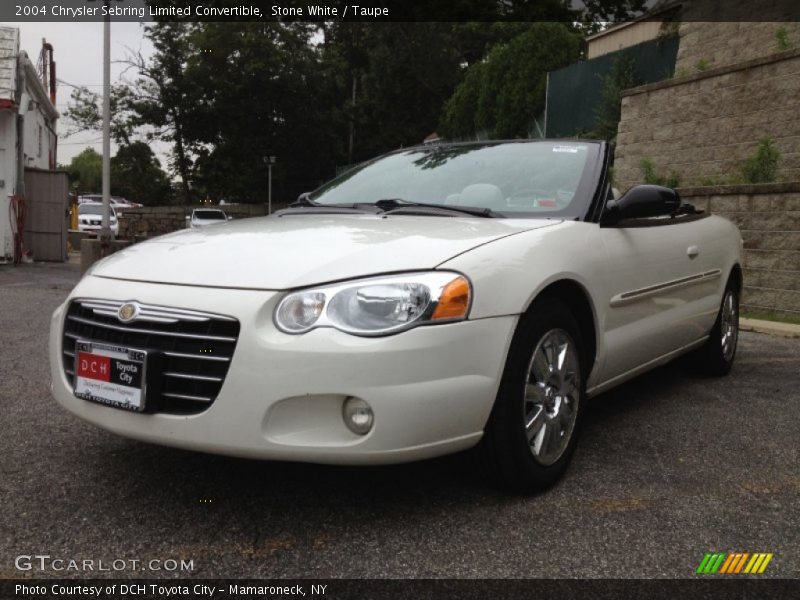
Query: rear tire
{"points": [[716, 356], [532, 430]]}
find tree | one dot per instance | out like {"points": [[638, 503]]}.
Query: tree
{"points": [[84, 113], [159, 104], [264, 94], [165, 96], [503, 95], [607, 114], [459, 115], [413, 69], [85, 171], [136, 174], [393, 81]]}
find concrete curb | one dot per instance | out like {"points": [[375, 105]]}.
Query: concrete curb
{"points": [[770, 328]]}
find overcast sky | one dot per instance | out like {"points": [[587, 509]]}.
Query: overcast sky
{"points": [[78, 52]]}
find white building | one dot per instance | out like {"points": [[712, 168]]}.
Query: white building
{"points": [[28, 136]]}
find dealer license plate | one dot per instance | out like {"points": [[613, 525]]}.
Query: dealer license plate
{"points": [[110, 375]]}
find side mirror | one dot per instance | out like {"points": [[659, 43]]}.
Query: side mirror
{"points": [[641, 202]]}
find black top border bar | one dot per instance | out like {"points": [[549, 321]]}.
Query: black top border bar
{"points": [[376, 11]]}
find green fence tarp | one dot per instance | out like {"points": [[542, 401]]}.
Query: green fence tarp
{"points": [[574, 92]]}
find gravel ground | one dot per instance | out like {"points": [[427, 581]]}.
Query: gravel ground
{"points": [[670, 466]]}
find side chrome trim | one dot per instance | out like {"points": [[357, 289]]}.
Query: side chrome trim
{"points": [[654, 290]]}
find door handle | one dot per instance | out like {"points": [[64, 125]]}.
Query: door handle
{"points": [[692, 251]]}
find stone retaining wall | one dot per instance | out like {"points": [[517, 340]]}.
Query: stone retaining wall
{"points": [[768, 216], [707, 45], [704, 126], [150, 221]]}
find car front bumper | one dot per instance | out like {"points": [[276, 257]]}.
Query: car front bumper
{"points": [[96, 229], [431, 388]]}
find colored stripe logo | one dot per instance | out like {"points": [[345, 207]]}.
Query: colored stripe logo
{"points": [[732, 563]]}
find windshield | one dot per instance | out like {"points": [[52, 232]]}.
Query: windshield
{"points": [[94, 209], [516, 178], [209, 214]]}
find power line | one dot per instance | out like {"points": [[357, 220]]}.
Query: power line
{"points": [[87, 142], [68, 84]]}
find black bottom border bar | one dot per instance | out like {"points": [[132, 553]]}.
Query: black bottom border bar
{"points": [[395, 589]]}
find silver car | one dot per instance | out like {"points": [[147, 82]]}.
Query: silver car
{"points": [[203, 217]]}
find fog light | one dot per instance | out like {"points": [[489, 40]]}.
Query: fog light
{"points": [[357, 415]]}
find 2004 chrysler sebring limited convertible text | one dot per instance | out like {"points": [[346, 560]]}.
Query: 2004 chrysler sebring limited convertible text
{"points": [[431, 300]]}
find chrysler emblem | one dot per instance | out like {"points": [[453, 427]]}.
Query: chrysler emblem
{"points": [[128, 312]]}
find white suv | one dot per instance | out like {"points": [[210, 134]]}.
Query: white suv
{"points": [[90, 218]]}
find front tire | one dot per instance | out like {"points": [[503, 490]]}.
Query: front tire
{"points": [[532, 431], [716, 356]]}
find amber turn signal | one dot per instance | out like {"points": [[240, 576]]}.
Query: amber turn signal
{"points": [[454, 300]]}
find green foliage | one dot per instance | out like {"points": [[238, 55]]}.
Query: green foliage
{"points": [[162, 103], [771, 315], [136, 174], [412, 69], [702, 65], [607, 114], [607, 10], [782, 37], [504, 94], [85, 172], [84, 112], [669, 29], [652, 177], [713, 181], [264, 93], [762, 166], [459, 113], [681, 72]]}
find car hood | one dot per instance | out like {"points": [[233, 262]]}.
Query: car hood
{"points": [[278, 253]]}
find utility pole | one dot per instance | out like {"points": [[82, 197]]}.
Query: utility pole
{"points": [[351, 140], [270, 161], [105, 230]]}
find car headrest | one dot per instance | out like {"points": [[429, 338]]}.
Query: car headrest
{"points": [[482, 194]]}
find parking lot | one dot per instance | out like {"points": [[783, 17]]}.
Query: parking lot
{"points": [[670, 466]]}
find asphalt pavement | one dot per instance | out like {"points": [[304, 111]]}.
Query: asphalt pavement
{"points": [[670, 466]]}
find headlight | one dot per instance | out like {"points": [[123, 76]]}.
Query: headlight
{"points": [[377, 306], [298, 312]]}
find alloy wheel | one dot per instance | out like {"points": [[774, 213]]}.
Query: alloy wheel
{"points": [[552, 393], [729, 325]]}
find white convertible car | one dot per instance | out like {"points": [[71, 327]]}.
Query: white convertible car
{"points": [[428, 301]]}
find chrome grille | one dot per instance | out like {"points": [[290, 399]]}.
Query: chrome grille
{"points": [[193, 348]]}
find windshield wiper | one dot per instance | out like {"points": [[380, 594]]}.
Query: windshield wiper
{"points": [[305, 205], [394, 205], [385, 206]]}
